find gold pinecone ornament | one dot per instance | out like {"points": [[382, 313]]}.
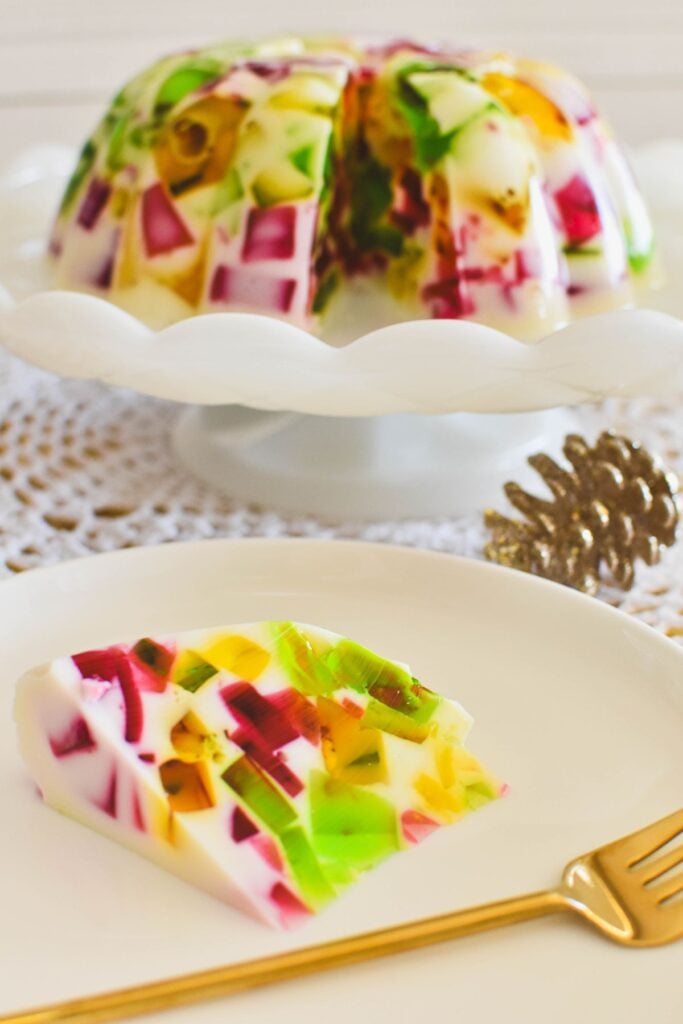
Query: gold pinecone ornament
{"points": [[616, 504]]}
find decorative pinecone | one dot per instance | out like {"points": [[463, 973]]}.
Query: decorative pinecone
{"points": [[616, 504]]}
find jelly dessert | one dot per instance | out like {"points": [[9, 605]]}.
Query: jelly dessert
{"points": [[285, 177], [269, 764]]}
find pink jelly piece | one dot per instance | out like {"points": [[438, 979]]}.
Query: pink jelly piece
{"points": [[267, 849], [417, 826], [301, 713], [95, 201], [272, 71], [102, 665], [292, 910], [244, 288], [108, 803], [410, 210], [138, 817], [105, 275], [270, 234], [449, 298], [241, 827], [162, 228], [77, 737], [151, 663], [258, 716], [578, 210], [248, 741], [132, 701], [109, 665]]}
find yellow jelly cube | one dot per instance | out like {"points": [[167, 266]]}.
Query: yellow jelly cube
{"points": [[440, 800], [238, 655], [351, 753], [523, 100]]}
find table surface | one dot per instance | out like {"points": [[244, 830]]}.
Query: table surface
{"points": [[84, 469]]}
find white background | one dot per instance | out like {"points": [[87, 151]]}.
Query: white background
{"points": [[61, 59]]}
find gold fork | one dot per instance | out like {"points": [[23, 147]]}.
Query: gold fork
{"points": [[631, 890]]}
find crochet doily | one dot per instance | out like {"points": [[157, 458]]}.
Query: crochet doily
{"points": [[84, 469]]}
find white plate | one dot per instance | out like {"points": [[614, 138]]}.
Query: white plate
{"points": [[425, 366], [577, 706]]}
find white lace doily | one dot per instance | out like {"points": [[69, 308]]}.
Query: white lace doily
{"points": [[84, 469]]}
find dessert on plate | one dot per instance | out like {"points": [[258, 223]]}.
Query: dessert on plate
{"points": [[269, 764], [300, 178]]}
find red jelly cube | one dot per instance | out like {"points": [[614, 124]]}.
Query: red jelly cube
{"points": [[248, 741], [95, 201], [301, 713], [241, 827], [290, 906], [578, 210], [258, 716], [162, 228], [417, 826], [245, 288], [77, 737], [270, 234], [102, 664]]}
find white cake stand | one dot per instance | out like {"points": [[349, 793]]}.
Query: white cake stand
{"points": [[414, 419], [382, 467]]}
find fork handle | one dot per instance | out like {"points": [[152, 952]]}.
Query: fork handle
{"points": [[223, 981]]}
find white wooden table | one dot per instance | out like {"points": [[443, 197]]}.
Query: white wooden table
{"points": [[61, 59]]}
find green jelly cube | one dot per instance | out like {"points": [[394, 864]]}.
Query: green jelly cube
{"points": [[362, 670], [638, 259], [351, 825], [305, 867], [370, 200], [303, 159], [306, 668], [431, 143], [191, 671], [479, 793], [314, 158], [325, 290], [259, 794], [380, 716], [186, 79], [117, 142]]}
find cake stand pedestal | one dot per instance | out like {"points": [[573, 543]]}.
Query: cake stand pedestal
{"points": [[368, 468]]}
